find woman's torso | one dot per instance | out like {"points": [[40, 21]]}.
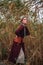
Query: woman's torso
{"points": [[21, 32]]}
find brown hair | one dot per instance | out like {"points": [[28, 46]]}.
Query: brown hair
{"points": [[23, 18]]}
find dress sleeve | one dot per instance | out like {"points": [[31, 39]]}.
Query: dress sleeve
{"points": [[18, 30]]}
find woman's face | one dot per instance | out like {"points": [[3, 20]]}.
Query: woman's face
{"points": [[24, 21]]}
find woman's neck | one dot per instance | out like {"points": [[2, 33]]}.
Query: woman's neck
{"points": [[23, 24]]}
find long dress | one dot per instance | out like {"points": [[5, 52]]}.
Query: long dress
{"points": [[17, 54]]}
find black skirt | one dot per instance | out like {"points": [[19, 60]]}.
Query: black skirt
{"points": [[15, 50]]}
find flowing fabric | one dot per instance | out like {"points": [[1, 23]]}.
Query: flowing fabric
{"points": [[21, 57], [15, 50]]}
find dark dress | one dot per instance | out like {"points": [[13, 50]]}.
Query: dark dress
{"points": [[15, 46]]}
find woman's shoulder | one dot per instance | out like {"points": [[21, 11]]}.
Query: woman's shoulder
{"points": [[20, 27]]}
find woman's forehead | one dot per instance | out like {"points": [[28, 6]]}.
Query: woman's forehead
{"points": [[24, 18]]}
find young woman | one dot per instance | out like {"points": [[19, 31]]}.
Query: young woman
{"points": [[17, 54]]}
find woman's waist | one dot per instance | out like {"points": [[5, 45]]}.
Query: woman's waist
{"points": [[18, 39]]}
